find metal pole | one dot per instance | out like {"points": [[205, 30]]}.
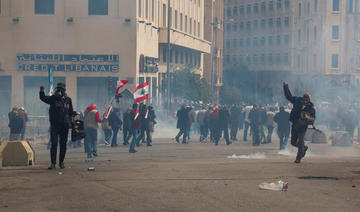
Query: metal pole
{"points": [[168, 57], [212, 46]]}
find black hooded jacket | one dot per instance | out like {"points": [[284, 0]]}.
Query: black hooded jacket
{"points": [[299, 105], [61, 109]]}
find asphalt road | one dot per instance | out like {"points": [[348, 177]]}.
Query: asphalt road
{"points": [[193, 177]]}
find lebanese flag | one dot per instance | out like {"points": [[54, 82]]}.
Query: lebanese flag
{"points": [[141, 92], [136, 112], [108, 112], [119, 85]]}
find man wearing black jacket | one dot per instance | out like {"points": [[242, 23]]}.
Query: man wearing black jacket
{"points": [[283, 126], [302, 114], [115, 124], [60, 116]]}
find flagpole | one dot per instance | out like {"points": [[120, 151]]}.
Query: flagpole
{"points": [[168, 57]]}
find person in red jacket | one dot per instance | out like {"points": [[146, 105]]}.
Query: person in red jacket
{"points": [[91, 120]]}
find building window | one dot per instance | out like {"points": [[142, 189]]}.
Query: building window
{"points": [[286, 40], [186, 26], [270, 58], [199, 29], [182, 57], [228, 44], [234, 27], [255, 42], [164, 15], [262, 58], [147, 9], [299, 62], [299, 9], [139, 8], [287, 21], [335, 32], [186, 58], [171, 56], [256, 8], [255, 58], [314, 61], [278, 22], [315, 33], [164, 55], [336, 5], [153, 10], [235, 11], [278, 4], [263, 7], [262, 41], [287, 4], [278, 58], [299, 35], [176, 57], [248, 9], [241, 42], [270, 23], [241, 26], [286, 59], [176, 19], [248, 26], [234, 43], [263, 24], [315, 6], [228, 27], [334, 61], [256, 24], [248, 42], [270, 40], [190, 25], [242, 10], [278, 40], [194, 28], [350, 6], [228, 11], [45, 7], [308, 9], [271, 5], [181, 21]]}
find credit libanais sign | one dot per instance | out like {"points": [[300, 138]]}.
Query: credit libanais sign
{"points": [[67, 63]]}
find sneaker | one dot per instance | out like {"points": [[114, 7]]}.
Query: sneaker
{"points": [[297, 161], [177, 139], [148, 145], [228, 143], [52, 166], [88, 160], [132, 151], [95, 154], [305, 149], [61, 165], [107, 143]]}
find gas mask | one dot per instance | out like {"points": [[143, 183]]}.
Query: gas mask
{"points": [[60, 91]]}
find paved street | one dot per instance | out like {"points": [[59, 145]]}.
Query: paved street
{"points": [[194, 177]]}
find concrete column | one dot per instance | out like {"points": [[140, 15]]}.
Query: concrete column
{"points": [[17, 90], [71, 89]]}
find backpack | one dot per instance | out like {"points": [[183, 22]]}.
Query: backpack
{"points": [[77, 131]]}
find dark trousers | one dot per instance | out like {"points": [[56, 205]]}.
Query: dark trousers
{"points": [[219, 134], [108, 134], [114, 138], [298, 131], [126, 135], [183, 132], [246, 128], [234, 130], [58, 134], [283, 136], [270, 132], [255, 130], [203, 131]]}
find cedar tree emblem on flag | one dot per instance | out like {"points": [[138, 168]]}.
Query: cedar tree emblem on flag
{"points": [[141, 92]]}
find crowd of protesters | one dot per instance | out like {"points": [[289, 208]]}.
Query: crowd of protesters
{"points": [[213, 122]]}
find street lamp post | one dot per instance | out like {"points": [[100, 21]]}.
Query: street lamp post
{"points": [[168, 57]]}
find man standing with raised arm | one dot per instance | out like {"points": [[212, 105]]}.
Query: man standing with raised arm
{"points": [[302, 115]]}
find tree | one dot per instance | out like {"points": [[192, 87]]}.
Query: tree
{"points": [[190, 86], [239, 85]]}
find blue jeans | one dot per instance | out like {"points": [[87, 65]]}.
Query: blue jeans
{"points": [[23, 130], [90, 142], [114, 138], [107, 134], [136, 134]]}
